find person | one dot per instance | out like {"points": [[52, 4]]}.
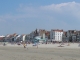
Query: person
{"points": [[37, 45], [4, 44], [24, 45], [79, 44]]}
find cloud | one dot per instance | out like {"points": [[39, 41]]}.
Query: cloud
{"points": [[61, 6], [51, 11], [63, 15], [46, 12], [69, 8]]}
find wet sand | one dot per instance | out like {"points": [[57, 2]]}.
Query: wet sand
{"points": [[20, 53]]}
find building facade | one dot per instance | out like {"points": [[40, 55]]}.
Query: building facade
{"points": [[56, 35], [64, 37]]}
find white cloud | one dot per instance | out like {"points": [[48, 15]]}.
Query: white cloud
{"points": [[69, 8], [55, 13], [62, 16], [48, 11], [61, 6]]}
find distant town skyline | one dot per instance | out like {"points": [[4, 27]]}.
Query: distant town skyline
{"points": [[25, 16]]}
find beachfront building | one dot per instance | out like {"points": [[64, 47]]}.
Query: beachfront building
{"points": [[42, 33], [78, 36], [56, 35], [64, 37], [2, 38], [42, 36], [47, 34], [11, 37], [23, 37], [36, 33], [33, 34], [73, 35]]}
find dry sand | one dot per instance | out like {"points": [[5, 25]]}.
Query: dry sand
{"points": [[20, 53]]}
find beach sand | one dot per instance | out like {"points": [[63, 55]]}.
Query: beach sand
{"points": [[20, 53]]}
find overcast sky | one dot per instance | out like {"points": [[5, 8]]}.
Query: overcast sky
{"points": [[24, 16]]}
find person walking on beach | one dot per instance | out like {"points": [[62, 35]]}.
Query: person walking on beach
{"points": [[37, 45], [24, 45], [4, 44]]}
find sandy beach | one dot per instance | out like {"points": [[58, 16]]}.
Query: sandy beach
{"points": [[32, 53]]}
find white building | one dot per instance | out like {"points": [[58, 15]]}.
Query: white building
{"points": [[56, 35], [24, 37]]}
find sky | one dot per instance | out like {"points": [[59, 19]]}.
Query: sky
{"points": [[24, 16]]}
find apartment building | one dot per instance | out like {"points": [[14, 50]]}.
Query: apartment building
{"points": [[73, 35], [64, 37], [56, 35], [2, 38], [42, 33]]}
